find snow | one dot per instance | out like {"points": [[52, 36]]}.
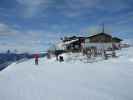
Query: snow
{"points": [[103, 80]]}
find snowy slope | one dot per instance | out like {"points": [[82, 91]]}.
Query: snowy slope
{"points": [[104, 80]]}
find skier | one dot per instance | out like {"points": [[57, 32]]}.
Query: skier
{"points": [[105, 55], [61, 59], [57, 55], [36, 56]]}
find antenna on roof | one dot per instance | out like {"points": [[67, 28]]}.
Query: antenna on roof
{"points": [[103, 28]]}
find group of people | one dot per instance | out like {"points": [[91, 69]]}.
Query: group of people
{"points": [[58, 58]]}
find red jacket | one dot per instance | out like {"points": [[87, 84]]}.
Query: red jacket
{"points": [[36, 56]]}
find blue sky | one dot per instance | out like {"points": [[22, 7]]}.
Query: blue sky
{"points": [[33, 25]]}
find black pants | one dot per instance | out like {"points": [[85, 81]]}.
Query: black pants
{"points": [[36, 62]]}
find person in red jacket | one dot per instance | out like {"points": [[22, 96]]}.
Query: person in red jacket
{"points": [[36, 56]]}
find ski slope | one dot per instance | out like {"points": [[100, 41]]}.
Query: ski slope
{"points": [[103, 80]]}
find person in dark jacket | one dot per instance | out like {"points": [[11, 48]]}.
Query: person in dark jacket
{"points": [[61, 59], [36, 56]]}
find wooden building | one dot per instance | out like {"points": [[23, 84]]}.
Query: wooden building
{"points": [[102, 41], [99, 41]]}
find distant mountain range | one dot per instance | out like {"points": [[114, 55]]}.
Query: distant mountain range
{"points": [[8, 58]]}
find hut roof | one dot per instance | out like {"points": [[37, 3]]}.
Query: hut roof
{"points": [[108, 35], [73, 38], [116, 39]]}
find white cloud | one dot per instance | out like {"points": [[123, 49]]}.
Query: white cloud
{"points": [[79, 4], [5, 30], [92, 29], [29, 40], [71, 8], [32, 7], [75, 8]]}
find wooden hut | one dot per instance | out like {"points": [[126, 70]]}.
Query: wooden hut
{"points": [[102, 41], [99, 41]]}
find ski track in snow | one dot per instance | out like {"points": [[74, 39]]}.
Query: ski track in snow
{"points": [[103, 80]]}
